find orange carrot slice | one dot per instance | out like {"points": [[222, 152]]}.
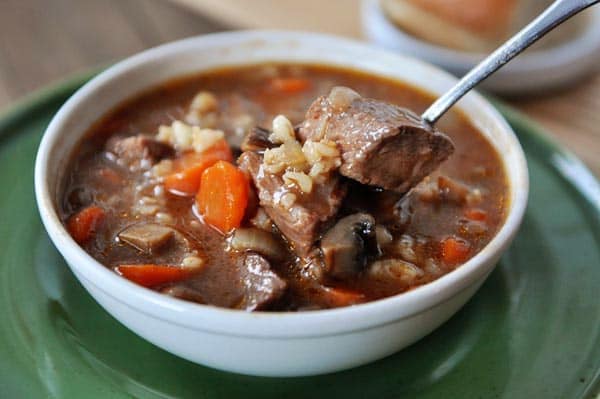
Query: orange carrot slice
{"points": [[476, 214], [338, 297], [289, 85], [189, 168], [223, 196], [148, 275], [83, 224], [455, 251]]}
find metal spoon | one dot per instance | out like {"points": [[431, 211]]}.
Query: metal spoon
{"points": [[556, 14]]}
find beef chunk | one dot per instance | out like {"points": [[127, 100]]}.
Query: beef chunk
{"points": [[381, 144], [301, 222], [261, 285], [139, 152]]}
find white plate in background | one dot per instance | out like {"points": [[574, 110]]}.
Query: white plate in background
{"points": [[533, 71]]}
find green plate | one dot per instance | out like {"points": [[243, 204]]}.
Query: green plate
{"points": [[532, 331]]}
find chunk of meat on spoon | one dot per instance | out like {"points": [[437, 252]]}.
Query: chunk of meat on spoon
{"points": [[381, 144]]}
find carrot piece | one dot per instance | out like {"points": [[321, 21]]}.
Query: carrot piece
{"points": [[187, 181], [289, 85], [189, 168], [338, 297], [152, 275], [223, 196], [83, 224], [476, 214], [221, 149], [454, 250]]}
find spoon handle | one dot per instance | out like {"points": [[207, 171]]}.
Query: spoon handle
{"points": [[557, 13]]}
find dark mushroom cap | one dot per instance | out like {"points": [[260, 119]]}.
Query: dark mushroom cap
{"points": [[349, 244]]}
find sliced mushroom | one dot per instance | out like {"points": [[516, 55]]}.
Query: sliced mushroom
{"points": [[349, 244], [258, 240], [147, 237]]}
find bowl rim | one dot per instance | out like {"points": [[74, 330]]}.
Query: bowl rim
{"points": [[273, 325], [586, 43]]}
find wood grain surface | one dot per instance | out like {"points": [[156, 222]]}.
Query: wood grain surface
{"points": [[45, 40], [41, 41]]}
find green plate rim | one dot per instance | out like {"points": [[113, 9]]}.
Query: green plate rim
{"points": [[37, 100]]}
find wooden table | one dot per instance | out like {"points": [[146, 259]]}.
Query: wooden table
{"points": [[41, 41]]}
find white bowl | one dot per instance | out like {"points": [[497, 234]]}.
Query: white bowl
{"points": [[533, 71], [265, 343]]}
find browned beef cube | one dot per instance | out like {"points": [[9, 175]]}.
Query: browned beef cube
{"points": [[261, 286], [301, 222], [381, 144], [138, 151]]}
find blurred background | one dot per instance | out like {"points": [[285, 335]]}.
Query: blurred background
{"points": [[558, 84]]}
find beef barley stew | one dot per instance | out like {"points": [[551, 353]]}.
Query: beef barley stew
{"points": [[278, 188]]}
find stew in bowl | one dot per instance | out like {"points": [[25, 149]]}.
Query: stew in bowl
{"points": [[282, 187], [261, 201]]}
